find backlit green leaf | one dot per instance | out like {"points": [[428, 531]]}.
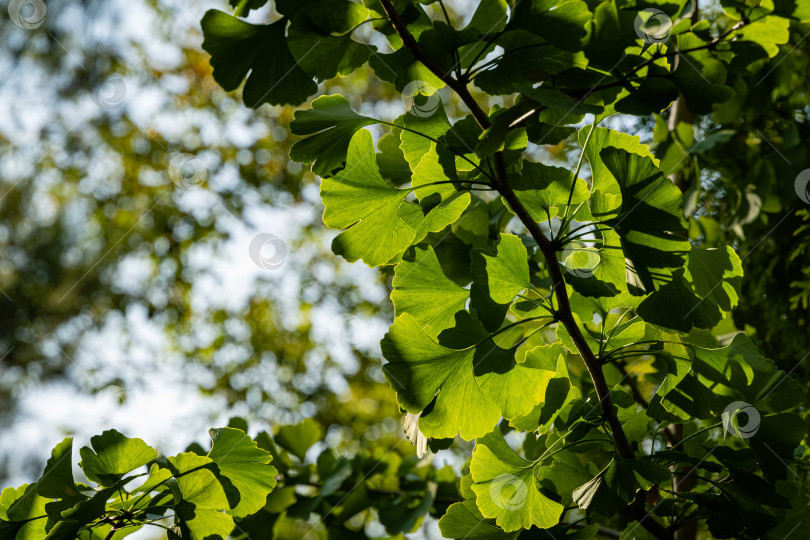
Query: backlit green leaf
{"points": [[113, 455], [650, 222], [422, 290], [202, 511], [246, 465], [506, 487], [330, 124], [508, 270], [57, 478]]}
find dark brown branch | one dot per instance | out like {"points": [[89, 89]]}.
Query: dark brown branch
{"points": [[564, 312], [410, 43], [549, 252]]}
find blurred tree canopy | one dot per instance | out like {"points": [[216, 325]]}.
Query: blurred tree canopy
{"points": [[131, 188]]}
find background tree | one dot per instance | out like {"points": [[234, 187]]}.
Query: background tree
{"points": [[132, 187]]}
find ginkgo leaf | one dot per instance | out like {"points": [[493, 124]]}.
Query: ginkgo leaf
{"points": [[457, 48], [543, 189], [422, 290], [506, 487], [678, 363], [423, 123], [516, 387], [715, 275], [650, 222], [616, 485], [794, 10], [429, 178], [358, 198], [603, 273], [676, 306], [333, 16], [515, 71], [562, 23], [556, 391], [391, 160], [507, 270], [602, 180], [322, 54], [464, 520], [704, 84], [558, 99], [440, 203], [79, 512], [740, 353], [509, 276], [380, 223], [474, 383], [113, 455], [431, 216], [202, 510], [586, 306], [400, 69], [21, 513], [611, 32], [249, 5], [300, 437], [420, 369], [653, 95], [157, 476], [768, 32], [246, 466], [776, 439], [699, 295], [237, 47], [57, 478], [330, 124], [605, 339]]}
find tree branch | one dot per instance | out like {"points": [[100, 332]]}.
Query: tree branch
{"points": [[410, 43], [546, 247], [548, 250]]}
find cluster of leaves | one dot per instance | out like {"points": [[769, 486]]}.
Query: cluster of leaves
{"points": [[738, 165], [205, 492], [490, 324], [565, 324], [588, 56], [240, 488]]}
